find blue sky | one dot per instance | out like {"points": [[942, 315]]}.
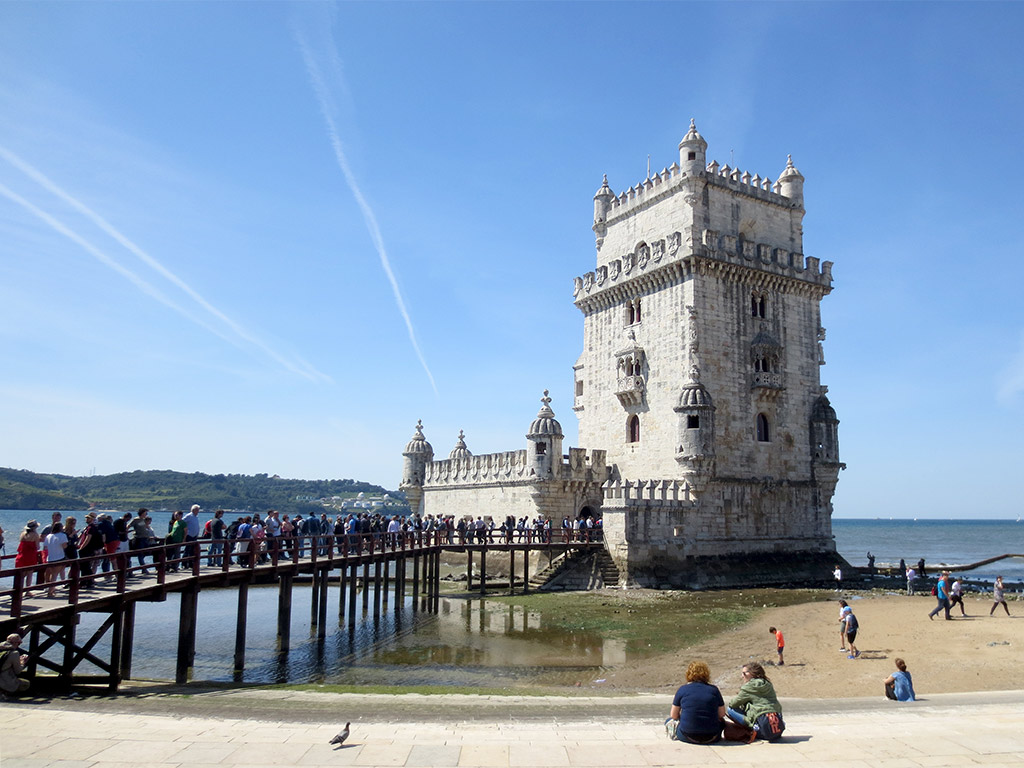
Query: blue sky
{"points": [[269, 237]]}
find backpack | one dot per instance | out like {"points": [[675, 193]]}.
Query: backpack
{"points": [[770, 726]]}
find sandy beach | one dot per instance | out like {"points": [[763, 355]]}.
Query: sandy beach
{"points": [[976, 653]]}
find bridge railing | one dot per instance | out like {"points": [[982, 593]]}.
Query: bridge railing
{"points": [[67, 579]]}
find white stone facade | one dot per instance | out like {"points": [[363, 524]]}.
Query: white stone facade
{"points": [[698, 388]]}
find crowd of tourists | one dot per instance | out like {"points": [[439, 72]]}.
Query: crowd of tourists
{"points": [[105, 544]]}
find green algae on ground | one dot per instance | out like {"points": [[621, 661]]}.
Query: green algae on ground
{"points": [[653, 621]]}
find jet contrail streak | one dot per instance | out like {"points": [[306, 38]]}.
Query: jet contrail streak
{"points": [[304, 369], [137, 281], [322, 94]]}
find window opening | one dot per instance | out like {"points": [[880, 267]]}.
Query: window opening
{"points": [[762, 428]]}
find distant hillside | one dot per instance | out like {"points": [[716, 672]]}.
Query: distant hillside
{"points": [[163, 489]]}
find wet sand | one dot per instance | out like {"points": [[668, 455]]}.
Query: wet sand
{"points": [[976, 653]]}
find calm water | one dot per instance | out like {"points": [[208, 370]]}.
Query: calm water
{"points": [[471, 642], [951, 542]]}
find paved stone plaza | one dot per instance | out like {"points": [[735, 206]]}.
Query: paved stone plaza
{"points": [[293, 728]]}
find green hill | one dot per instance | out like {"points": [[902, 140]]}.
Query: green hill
{"points": [[164, 489]]}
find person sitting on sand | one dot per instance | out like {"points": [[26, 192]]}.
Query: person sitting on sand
{"points": [[697, 709], [756, 705], [899, 686]]}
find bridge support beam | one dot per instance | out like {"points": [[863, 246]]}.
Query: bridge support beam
{"points": [[186, 635], [352, 594], [322, 576], [284, 612], [127, 641], [240, 622]]}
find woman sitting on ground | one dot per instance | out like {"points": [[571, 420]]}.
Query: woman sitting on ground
{"points": [[756, 705], [899, 686], [697, 709]]}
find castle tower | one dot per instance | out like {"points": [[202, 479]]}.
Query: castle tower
{"points": [[700, 372], [417, 454], [544, 441]]}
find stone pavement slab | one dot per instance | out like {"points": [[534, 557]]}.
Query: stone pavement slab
{"points": [[951, 730]]}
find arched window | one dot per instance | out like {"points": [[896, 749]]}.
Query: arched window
{"points": [[758, 305], [762, 428], [633, 429]]}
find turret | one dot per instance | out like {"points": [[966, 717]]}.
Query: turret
{"points": [[602, 204], [460, 451], [791, 183], [695, 451], [417, 454], [692, 151], [824, 432], [544, 446]]}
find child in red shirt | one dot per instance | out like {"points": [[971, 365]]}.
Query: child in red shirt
{"points": [[779, 642]]}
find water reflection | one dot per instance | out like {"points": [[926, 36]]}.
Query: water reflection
{"points": [[469, 642]]}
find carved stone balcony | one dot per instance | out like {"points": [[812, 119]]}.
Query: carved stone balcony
{"points": [[768, 384], [630, 390]]}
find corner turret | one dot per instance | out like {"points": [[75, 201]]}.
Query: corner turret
{"points": [[417, 454], [602, 204], [692, 151], [791, 183], [544, 449]]}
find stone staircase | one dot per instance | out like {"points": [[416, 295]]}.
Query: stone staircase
{"points": [[578, 570]]}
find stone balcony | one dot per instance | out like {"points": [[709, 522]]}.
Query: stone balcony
{"points": [[630, 390]]}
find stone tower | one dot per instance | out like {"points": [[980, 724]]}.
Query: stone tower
{"points": [[700, 375]]}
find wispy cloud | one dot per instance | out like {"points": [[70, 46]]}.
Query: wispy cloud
{"points": [[327, 109], [298, 365]]}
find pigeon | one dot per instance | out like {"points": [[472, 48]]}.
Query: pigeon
{"points": [[340, 738]]}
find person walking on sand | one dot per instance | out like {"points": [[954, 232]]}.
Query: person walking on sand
{"points": [[942, 593], [899, 686], [843, 610], [851, 625], [997, 596], [780, 643], [956, 596]]}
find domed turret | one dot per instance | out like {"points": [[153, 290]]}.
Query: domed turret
{"points": [[692, 151], [824, 432], [417, 454], [695, 451], [791, 183], [544, 449], [460, 451]]}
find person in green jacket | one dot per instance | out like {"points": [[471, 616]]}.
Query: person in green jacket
{"points": [[756, 698], [176, 537]]}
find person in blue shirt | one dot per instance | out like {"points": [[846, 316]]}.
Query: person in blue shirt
{"points": [[899, 686], [698, 708], [942, 593]]}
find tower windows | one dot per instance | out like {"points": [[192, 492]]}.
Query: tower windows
{"points": [[633, 312], [633, 429], [758, 305], [763, 435]]}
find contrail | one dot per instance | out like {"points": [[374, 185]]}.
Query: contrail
{"points": [[304, 369], [133, 278], [323, 97]]}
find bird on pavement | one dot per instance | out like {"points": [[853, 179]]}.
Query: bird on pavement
{"points": [[340, 738]]}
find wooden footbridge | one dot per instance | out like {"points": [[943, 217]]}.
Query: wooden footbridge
{"points": [[387, 567]]}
